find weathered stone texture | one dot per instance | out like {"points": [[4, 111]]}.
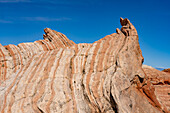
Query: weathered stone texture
{"points": [[56, 75]]}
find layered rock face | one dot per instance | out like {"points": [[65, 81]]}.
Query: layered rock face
{"points": [[13, 58], [57, 75], [157, 88]]}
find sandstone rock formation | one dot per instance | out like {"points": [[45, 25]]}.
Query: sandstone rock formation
{"points": [[167, 70], [56, 75], [158, 86]]}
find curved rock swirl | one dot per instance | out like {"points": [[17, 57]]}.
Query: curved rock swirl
{"points": [[57, 75]]}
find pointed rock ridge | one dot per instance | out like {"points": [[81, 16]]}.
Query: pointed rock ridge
{"points": [[58, 38], [13, 58], [128, 70], [103, 77], [127, 28]]}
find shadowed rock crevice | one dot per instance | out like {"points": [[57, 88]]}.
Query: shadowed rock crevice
{"points": [[140, 79], [113, 104], [41, 111]]}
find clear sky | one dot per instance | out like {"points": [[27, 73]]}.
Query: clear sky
{"points": [[89, 20]]}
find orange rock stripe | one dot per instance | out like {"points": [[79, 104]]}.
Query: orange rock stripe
{"points": [[10, 87], [29, 49], [113, 52], [84, 64], [42, 44], [19, 55], [17, 58], [75, 65], [76, 62], [101, 89], [58, 41], [34, 47], [81, 64], [5, 65], [46, 44], [102, 55], [24, 47], [13, 56], [49, 44], [82, 52], [66, 39], [72, 42], [38, 46], [53, 46], [94, 88], [12, 95], [42, 83], [104, 63], [54, 43], [75, 70], [41, 56], [62, 41], [1, 58], [105, 66], [52, 85], [53, 40], [96, 77], [121, 41], [89, 76], [71, 80], [67, 93], [32, 73]]}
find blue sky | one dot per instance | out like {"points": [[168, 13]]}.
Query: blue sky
{"points": [[88, 21]]}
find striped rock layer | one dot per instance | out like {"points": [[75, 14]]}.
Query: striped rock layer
{"points": [[13, 58], [55, 75]]}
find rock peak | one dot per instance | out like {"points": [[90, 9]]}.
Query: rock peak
{"points": [[127, 28], [124, 22]]}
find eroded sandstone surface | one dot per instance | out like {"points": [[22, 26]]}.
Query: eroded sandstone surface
{"points": [[55, 75]]}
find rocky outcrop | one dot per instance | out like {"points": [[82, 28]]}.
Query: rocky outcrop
{"points": [[58, 75], [157, 88], [167, 70]]}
